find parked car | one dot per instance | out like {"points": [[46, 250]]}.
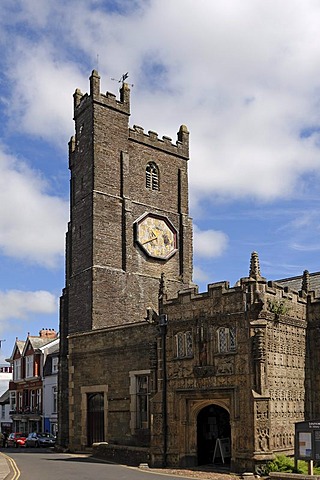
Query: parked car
{"points": [[43, 439], [16, 439]]}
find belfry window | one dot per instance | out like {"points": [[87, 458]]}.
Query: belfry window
{"points": [[152, 176], [226, 339]]}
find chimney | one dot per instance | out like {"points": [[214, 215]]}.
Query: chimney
{"points": [[48, 333]]}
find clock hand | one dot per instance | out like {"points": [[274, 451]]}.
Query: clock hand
{"points": [[149, 240]]}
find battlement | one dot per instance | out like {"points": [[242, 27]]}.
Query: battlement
{"points": [[215, 290], [151, 139], [81, 101], [247, 294]]}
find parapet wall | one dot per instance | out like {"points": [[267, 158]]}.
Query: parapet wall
{"points": [[151, 139], [108, 99], [246, 294]]}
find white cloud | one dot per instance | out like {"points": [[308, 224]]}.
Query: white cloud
{"points": [[17, 304], [209, 243], [43, 86], [244, 77], [199, 275], [32, 223]]}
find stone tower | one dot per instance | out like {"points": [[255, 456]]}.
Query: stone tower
{"points": [[129, 220]]}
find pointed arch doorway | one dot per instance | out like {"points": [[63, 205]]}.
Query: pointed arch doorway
{"points": [[213, 423]]}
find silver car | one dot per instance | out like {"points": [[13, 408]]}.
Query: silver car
{"points": [[43, 439]]}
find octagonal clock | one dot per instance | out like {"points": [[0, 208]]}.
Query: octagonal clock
{"points": [[156, 236]]}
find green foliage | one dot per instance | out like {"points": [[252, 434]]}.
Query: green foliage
{"points": [[286, 464], [277, 307], [280, 464]]}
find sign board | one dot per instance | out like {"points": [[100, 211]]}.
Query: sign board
{"points": [[222, 449], [307, 440]]}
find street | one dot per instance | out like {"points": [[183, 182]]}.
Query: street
{"points": [[37, 464]]}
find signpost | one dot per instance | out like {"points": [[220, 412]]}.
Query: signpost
{"points": [[307, 443]]}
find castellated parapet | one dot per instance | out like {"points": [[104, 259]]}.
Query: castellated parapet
{"points": [[181, 148], [248, 294], [108, 99], [136, 134]]}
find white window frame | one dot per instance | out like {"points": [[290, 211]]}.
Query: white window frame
{"points": [[17, 369], [39, 399], [54, 399], [32, 400], [29, 359], [13, 401], [20, 400], [55, 364]]}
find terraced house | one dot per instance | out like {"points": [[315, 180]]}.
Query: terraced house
{"points": [[26, 389], [162, 373]]}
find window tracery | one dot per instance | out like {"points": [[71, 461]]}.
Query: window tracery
{"points": [[152, 176]]}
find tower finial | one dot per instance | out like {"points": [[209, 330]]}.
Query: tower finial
{"points": [[305, 281], [254, 266]]}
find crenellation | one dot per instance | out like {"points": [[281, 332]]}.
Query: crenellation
{"points": [[138, 129], [82, 101], [111, 96], [151, 139], [153, 135], [110, 100], [77, 97]]}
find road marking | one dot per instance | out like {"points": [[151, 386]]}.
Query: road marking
{"points": [[14, 467]]}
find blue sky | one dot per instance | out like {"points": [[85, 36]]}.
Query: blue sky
{"points": [[243, 76]]}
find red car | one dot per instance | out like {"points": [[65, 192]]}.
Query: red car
{"points": [[17, 439]]}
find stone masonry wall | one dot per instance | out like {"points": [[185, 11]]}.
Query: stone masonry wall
{"points": [[105, 358]]}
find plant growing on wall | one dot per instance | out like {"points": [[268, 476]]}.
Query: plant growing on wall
{"points": [[278, 307]]}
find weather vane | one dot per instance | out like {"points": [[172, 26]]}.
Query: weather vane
{"points": [[122, 79], [2, 340]]}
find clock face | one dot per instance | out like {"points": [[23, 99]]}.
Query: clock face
{"points": [[156, 236]]}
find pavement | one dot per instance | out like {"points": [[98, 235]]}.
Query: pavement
{"points": [[5, 463]]}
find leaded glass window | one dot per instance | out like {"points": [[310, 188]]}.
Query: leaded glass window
{"points": [[227, 339], [184, 344]]}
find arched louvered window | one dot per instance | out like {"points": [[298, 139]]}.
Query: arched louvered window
{"points": [[152, 176]]}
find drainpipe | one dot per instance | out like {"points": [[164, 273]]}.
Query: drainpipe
{"points": [[163, 322]]}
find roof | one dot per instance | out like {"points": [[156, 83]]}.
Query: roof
{"points": [[18, 345], [5, 397], [52, 346], [37, 342], [295, 283]]}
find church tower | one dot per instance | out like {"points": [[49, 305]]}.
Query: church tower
{"points": [[128, 214], [129, 220]]}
